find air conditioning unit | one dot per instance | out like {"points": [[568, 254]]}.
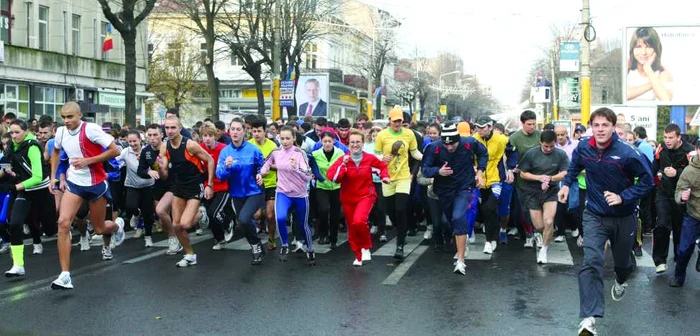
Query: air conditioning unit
{"points": [[79, 95]]}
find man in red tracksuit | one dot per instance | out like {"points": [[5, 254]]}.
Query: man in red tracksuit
{"points": [[357, 194]]}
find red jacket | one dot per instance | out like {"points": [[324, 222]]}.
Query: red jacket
{"points": [[356, 181], [219, 185]]}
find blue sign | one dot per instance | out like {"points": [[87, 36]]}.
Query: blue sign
{"points": [[569, 54], [287, 93]]}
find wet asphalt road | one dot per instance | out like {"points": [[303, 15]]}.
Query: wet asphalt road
{"points": [[141, 292]]}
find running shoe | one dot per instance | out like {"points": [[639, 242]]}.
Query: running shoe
{"points": [[383, 238], [62, 282], [218, 246], [579, 241], [311, 257], [187, 260], [460, 268], [26, 230], [15, 271], [258, 253], [637, 251], [138, 233], [472, 239], [428, 232], [366, 255], [503, 236], [487, 248], [174, 246], [204, 220], [90, 229], [494, 244], [618, 291], [134, 222], [84, 243], [148, 241], [118, 237], [300, 248], [538, 240], [199, 232], [356, 263], [284, 252], [4, 248], [574, 233], [228, 232], [587, 327], [559, 239], [38, 249], [107, 253], [373, 230], [529, 242], [661, 268], [542, 257], [513, 232], [398, 255]]}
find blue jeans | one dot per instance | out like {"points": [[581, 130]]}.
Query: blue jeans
{"points": [[455, 208], [689, 234], [283, 204], [440, 226]]}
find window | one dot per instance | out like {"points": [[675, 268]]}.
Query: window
{"points": [[43, 27], [103, 35], [48, 101], [175, 54], [311, 51], [75, 30], [29, 23], [234, 59], [16, 99]]}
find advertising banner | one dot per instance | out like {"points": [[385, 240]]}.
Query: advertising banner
{"points": [[659, 65], [569, 93], [287, 93], [313, 91], [569, 53], [645, 116]]}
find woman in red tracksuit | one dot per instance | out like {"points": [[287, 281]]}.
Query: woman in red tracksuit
{"points": [[357, 193]]}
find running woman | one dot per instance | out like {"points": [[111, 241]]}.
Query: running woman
{"points": [[86, 180], [327, 192], [357, 193], [293, 174], [266, 146], [240, 163], [30, 176], [183, 158], [139, 191]]}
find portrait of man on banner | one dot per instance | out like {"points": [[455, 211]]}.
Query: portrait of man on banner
{"points": [[312, 95]]}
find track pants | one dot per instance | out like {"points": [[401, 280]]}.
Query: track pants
{"points": [[621, 233], [689, 234], [328, 211], [220, 213], [670, 219], [356, 215], [489, 207], [441, 228], [140, 198], [245, 208], [379, 210], [283, 204]]}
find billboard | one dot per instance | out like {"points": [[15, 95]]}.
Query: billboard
{"points": [[659, 65], [569, 93], [569, 56], [633, 116], [312, 95]]}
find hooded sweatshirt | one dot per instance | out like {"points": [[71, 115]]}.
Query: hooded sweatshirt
{"points": [[28, 163], [690, 178]]}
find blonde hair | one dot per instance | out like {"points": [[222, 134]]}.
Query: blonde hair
{"points": [[356, 132], [208, 129]]}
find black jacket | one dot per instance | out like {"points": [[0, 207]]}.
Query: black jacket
{"points": [[19, 160], [677, 158]]}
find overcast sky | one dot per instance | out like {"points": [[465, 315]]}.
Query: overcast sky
{"points": [[500, 39]]}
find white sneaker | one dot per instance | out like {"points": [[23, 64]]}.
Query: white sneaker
{"points": [[134, 222], [373, 230], [579, 241], [84, 243], [460, 268], [4, 248], [299, 247], [174, 246], [204, 220], [574, 233], [618, 291], [513, 232], [26, 230], [217, 247], [118, 237], [366, 255], [494, 244], [587, 327], [187, 260], [107, 253], [199, 232], [228, 232], [62, 282], [487, 248], [428, 232], [560, 239], [661, 268], [356, 263], [15, 271], [529, 242], [383, 238], [538, 240], [542, 256], [472, 239], [138, 233], [148, 241], [38, 249], [96, 238]]}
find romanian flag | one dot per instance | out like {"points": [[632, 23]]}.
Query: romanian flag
{"points": [[107, 43]]}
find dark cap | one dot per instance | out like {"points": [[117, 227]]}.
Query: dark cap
{"points": [[449, 134], [483, 121], [549, 127], [580, 128]]}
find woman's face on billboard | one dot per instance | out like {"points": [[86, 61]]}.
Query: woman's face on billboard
{"points": [[643, 53]]}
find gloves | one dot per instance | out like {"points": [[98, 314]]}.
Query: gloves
{"points": [[7, 188]]}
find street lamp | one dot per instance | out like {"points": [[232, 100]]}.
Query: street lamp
{"points": [[440, 82]]}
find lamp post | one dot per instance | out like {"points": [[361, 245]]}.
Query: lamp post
{"points": [[440, 83]]}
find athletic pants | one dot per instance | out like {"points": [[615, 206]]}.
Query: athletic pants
{"points": [[379, 210], [245, 208], [689, 234], [670, 219], [283, 204], [220, 213], [489, 207], [356, 215], [140, 198], [24, 204], [621, 233], [441, 228], [328, 211]]}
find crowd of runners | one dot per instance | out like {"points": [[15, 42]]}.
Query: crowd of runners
{"points": [[606, 185]]}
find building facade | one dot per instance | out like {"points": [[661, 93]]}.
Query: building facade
{"points": [[53, 54]]}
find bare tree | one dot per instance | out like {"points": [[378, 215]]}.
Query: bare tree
{"points": [[203, 13], [248, 29], [126, 22], [173, 74]]}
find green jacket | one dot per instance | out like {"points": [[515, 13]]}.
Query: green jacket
{"points": [[690, 178], [323, 165]]}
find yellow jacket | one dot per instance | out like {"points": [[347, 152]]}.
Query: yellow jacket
{"points": [[496, 145]]}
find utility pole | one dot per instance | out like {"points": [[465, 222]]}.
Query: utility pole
{"points": [[555, 100], [585, 66], [276, 64]]}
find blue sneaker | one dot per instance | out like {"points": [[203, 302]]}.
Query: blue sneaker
{"points": [[503, 237]]}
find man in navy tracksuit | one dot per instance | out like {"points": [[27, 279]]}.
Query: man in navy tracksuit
{"points": [[611, 168]]}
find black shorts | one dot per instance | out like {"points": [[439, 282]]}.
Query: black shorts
{"points": [[534, 199], [270, 194], [189, 191], [159, 190]]}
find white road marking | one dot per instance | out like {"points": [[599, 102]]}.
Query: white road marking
{"points": [[388, 249], [404, 266]]}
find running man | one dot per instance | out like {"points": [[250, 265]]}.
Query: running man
{"points": [[266, 146], [183, 158], [611, 200], [86, 180]]}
